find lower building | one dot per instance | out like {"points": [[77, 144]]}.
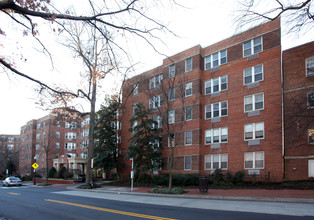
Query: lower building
{"points": [[298, 73]]}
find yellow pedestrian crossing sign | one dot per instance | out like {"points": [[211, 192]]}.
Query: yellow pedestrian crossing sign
{"points": [[35, 165]]}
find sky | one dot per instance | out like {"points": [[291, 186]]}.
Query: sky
{"points": [[198, 22]]}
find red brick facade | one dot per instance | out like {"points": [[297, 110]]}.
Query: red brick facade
{"points": [[299, 114], [263, 153]]}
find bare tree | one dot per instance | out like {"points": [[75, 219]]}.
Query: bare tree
{"points": [[300, 13], [120, 18]]}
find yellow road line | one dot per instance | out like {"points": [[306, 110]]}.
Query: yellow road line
{"points": [[16, 194], [110, 210]]}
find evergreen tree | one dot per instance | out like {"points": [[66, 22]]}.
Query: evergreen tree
{"points": [[145, 145], [107, 152]]}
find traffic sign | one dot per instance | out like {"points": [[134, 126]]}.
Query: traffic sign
{"points": [[35, 166]]}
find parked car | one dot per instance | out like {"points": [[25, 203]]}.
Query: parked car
{"points": [[12, 181]]}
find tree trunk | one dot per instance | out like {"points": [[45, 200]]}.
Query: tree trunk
{"points": [[170, 167], [91, 133]]}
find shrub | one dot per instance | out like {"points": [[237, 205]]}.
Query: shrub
{"points": [[161, 180], [239, 177], [61, 172], [168, 191], [67, 174], [144, 179], [51, 172], [218, 177], [113, 176]]}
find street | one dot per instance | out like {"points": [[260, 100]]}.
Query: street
{"points": [[28, 202]]}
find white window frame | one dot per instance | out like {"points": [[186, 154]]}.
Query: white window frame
{"points": [[211, 81], [188, 156], [172, 94], [171, 117], [172, 71], [310, 95], [57, 145], [253, 103], [156, 81], [210, 159], [211, 132], [135, 90], [209, 60], [309, 63], [188, 87], [253, 74], [310, 132], [134, 108], [252, 46], [157, 119], [253, 155], [254, 125], [212, 110], [155, 102], [185, 137], [188, 64], [170, 139], [188, 109], [38, 125], [38, 136]]}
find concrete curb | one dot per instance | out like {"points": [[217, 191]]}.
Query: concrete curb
{"points": [[229, 198]]}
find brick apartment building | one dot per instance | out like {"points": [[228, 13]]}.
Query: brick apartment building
{"points": [[298, 75], [56, 141], [239, 104], [9, 146], [224, 104]]}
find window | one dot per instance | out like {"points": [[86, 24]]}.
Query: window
{"points": [[158, 121], [57, 145], [188, 138], [38, 125], [155, 102], [219, 109], [85, 132], [134, 108], [188, 89], [253, 74], [135, 90], [134, 127], [37, 146], [84, 144], [172, 94], [216, 85], [171, 140], [254, 131], [70, 135], [217, 135], [155, 81], [252, 46], [84, 155], [187, 163], [171, 118], [188, 64], [188, 113], [172, 70], [216, 161], [58, 123], [311, 135], [254, 160], [254, 102], [70, 146], [310, 99], [37, 136], [215, 59], [309, 66]]}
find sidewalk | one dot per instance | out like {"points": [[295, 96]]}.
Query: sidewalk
{"points": [[261, 195]]}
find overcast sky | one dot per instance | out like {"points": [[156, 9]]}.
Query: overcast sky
{"points": [[203, 22]]}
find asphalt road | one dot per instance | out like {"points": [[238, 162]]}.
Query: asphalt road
{"points": [[45, 203]]}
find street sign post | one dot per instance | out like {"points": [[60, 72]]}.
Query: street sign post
{"points": [[35, 166]]}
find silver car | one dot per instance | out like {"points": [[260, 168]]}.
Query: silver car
{"points": [[12, 181]]}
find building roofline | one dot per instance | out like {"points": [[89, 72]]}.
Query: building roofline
{"points": [[295, 47]]}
